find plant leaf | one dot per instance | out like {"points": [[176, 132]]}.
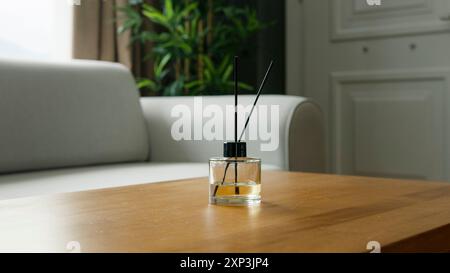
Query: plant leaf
{"points": [[156, 16], [168, 9], [226, 75], [208, 63], [146, 83], [245, 86]]}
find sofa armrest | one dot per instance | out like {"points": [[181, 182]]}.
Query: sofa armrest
{"points": [[300, 143], [306, 138]]}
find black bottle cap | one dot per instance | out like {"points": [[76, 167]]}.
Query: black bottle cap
{"points": [[229, 149]]}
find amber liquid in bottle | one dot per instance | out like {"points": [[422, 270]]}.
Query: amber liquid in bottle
{"points": [[235, 181]]}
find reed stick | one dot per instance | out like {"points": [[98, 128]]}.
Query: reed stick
{"points": [[236, 90], [256, 99], [261, 86]]}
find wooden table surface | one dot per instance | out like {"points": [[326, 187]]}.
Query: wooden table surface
{"points": [[300, 212]]}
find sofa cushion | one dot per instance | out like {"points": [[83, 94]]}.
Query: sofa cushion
{"points": [[97, 177], [73, 114]]}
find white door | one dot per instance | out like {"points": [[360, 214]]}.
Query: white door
{"points": [[382, 75]]}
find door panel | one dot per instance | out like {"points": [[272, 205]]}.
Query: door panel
{"points": [[390, 123]]}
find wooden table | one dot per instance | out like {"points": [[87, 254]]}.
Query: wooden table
{"points": [[300, 212]]}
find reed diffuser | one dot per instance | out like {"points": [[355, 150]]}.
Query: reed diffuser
{"points": [[235, 179]]}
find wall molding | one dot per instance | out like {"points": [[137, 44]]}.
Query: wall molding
{"points": [[350, 20], [339, 79]]}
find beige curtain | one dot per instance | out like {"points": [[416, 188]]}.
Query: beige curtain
{"points": [[95, 36]]}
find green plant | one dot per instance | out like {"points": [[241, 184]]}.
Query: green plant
{"points": [[193, 43]]}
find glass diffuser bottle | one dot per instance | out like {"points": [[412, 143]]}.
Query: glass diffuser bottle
{"points": [[235, 179]]}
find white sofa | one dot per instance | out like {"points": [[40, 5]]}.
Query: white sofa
{"points": [[81, 125]]}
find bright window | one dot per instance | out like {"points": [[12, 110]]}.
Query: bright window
{"points": [[36, 29]]}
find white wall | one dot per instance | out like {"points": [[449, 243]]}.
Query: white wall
{"points": [[294, 47]]}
